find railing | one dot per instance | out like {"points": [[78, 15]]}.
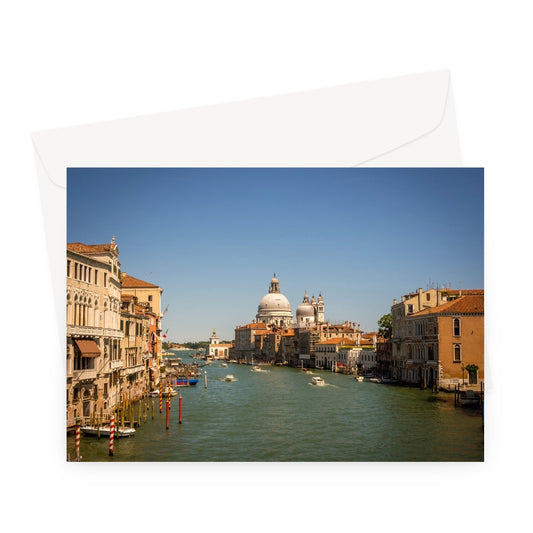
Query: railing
{"points": [[94, 331]]}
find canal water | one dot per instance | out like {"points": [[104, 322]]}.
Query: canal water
{"points": [[278, 415]]}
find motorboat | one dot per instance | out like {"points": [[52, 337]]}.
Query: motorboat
{"points": [[257, 369], [317, 380], [360, 379], [224, 365], [105, 431], [230, 377], [374, 380]]}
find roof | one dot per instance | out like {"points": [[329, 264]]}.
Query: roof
{"points": [[463, 305], [81, 248], [254, 325], [130, 282], [336, 340]]}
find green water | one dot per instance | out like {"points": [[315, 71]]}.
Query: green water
{"points": [[277, 415]]}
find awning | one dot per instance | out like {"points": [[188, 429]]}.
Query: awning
{"points": [[87, 347]]}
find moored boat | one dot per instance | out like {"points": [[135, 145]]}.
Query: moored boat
{"points": [[230, 377], [360, 379], [165, 392], [104, 431]]}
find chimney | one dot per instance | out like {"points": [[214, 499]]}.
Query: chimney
{"points": [[394, 301]]}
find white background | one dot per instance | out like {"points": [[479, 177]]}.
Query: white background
{"points": [[69, 63]]}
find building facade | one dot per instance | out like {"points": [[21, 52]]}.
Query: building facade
{"points": [[93, 358], [216, 349]]}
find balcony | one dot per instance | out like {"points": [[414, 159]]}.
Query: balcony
{"points": [[115, 365], [133, 369], [84, 375], [93, 331]]}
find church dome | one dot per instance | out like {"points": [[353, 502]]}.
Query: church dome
{"points": [[305, 309], [274, 302], [274, 308]]}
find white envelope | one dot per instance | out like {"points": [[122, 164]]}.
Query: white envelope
{"points": [[405, 121]]}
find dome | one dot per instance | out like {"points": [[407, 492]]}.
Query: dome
{"points": [[274, 302], [305, 309]]}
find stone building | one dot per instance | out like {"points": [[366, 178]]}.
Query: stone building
{"points": [[93, 358], [427, 343], [134, 323], [218, 350]]}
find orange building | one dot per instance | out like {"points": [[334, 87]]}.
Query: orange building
{"points": [[446, 343]]}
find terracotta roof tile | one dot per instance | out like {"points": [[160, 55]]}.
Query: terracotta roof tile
{"points": [[462, 305], [129, 282], [81, 248]]}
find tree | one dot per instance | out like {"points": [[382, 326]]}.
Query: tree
{"points": [[385, 326]]}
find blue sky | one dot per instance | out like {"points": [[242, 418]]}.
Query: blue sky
{"points": [[212, 238]]}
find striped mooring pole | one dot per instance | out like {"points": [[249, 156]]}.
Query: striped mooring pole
{"points": [[77, 441], [111, 434], [168, 408], [180, 410], [160, 398]]}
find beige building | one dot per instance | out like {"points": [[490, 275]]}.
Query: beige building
{"points": [[148, 296], [93, 358], [134, 323]]}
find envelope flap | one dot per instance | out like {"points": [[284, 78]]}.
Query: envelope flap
{"points": [[340, 126]]}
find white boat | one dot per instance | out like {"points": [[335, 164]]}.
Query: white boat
{"points": [[360, 379], [105, 431], [165, 392], [230, 377], [375, 380], [317, 380], [224, 364], [257, 369]]}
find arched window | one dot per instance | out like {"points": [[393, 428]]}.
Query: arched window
{"points": [[456, 327], [456, 353]]}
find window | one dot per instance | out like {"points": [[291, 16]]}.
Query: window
{"points": [[456, 353], [68, 269], [149, 297], [428, 296], [410, 308], [430, 352], [456, 327]]}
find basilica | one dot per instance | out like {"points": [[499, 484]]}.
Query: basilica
{"points": [[277, 336], [274, 308]]}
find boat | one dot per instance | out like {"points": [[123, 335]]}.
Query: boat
{"points": [[224, 364], [230, 377], [468, 397], [257, 369], [360, 379], [375, 380], [184, 382], [317, 380], [165, 392], [104, 431]]}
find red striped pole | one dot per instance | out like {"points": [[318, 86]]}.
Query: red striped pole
{"points": [[180, 408], [160, 398], [168, 407], [169, 394], [77, 441], [111, 434]]}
